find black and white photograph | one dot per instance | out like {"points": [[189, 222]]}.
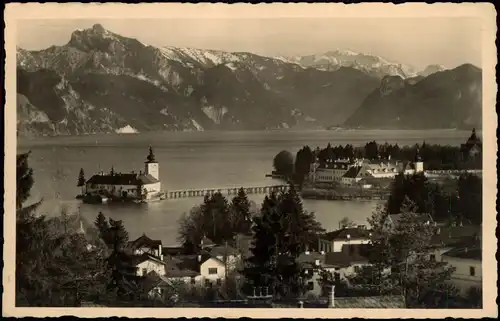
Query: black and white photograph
{"points": [[308, 163]]}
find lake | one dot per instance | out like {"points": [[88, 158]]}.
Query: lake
{"points": [[193, 160]]}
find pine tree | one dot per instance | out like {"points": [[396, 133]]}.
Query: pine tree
{"points": [[102, 226], [240, 209], [123, 282], [151, 156], [260, 268], [81, 178]]}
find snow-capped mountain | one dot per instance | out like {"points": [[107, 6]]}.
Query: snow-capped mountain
{"points": [[369, 64], [102, 81]]}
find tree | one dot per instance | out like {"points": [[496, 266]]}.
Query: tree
{"points": [[151, 156], [24, 176], [416, 187], [103, 228], [346, 223], [405, 249], [283, 163], [303, 161], [470, 197], [259, 269], [212, 219], [240, 210], [371, 150], [49, 263], [81, 179], [281, 233], [123, 282]]}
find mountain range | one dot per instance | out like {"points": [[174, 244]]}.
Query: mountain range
{"points": [[104, 82]]}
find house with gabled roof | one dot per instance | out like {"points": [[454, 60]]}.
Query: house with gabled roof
{"points": [[201, 269], [146, 263], [144, 244], [333, 241]]}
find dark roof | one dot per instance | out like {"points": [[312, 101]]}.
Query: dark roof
{"points": [[207, 242], [456, 235], [337, 259], [221, 250], [138, 259], [311, 258], [122, 179], [153, 280], [396, 218], [187, 263], [374, 302], [144, 241], [357, 252], [355, 233], [172, 250], [353, 172], [473, 252]]}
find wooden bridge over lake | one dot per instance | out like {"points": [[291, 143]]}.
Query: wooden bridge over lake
{"points": [[201, 192]]}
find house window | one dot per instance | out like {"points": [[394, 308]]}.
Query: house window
{"points": [[212, 270], [472, 271], [144, 271], [336, 276], [193, 280], [219, 281], [433, 258], [207, 282], [357, 269]]}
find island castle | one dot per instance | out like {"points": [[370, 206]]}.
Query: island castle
{"points": [[142, 186]]}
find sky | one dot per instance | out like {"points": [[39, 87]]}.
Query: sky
{"points": [[417, 42]]}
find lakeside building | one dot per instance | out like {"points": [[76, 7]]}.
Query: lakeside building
{"points": [[143, 185], [353, 171], [472, 149]]}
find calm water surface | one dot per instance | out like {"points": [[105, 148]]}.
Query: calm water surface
{"points": [[193, 160]]}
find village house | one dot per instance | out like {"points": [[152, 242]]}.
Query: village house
{"points": [[202, 269], [146, 263], [145, 245], [142, 185], [342, 264], [333, 241], [395, 220], [467, 260], [447, 238]]}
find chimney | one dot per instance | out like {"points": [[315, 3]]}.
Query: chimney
{"points": [[331, 298]]}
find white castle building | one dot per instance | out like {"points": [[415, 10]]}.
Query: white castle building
{"points": [[349, 172], [142, 185]]}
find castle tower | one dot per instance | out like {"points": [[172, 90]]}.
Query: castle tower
{"points": [[151, 165], [418, 163]]}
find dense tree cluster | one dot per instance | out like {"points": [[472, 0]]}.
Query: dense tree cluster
{"points": [[58, 264], [461, 204], [216, 219], [54, 264], [282, 231]]}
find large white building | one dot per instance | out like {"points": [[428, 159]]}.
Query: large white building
{"points": [[350, 172], [142, 185]]}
